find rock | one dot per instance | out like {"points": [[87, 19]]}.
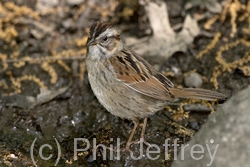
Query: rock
{"points": [[212, 5], [68, 23], [75, 2], [193, 80], [40, 29], [46, 4], [196, 108], [224, 139]]}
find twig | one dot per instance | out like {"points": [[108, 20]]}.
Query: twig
{"points": [[43, 59]]}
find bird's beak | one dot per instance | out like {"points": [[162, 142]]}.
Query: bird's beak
{"points": [[91, 42]]}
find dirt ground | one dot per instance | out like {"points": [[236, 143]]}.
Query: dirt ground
{"points": [[45, 94]]}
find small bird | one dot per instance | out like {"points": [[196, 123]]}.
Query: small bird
{"points": [[126, 84]]}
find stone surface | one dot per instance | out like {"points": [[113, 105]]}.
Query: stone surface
{"points": [[46, 4], [228, 131], [75, 2], [193, 80]]}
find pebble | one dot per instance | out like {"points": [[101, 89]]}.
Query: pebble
{"points": [[75, 2], [193, 80], [46, 4]]}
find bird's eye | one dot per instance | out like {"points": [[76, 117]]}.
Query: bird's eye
{"points": [[105, 39]]}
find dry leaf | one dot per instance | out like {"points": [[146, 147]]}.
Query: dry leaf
{"points": [[165, 41], [29, 102]]}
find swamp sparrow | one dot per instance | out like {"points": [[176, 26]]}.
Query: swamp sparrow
{"points": [[127, 85]]}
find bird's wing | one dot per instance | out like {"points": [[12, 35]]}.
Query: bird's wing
{"points": [[138, 74]]}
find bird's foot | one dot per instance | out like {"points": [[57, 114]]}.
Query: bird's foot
{"points": [[142, 140]]}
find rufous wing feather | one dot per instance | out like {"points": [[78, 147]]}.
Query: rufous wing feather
{"points": [[136, 73]]}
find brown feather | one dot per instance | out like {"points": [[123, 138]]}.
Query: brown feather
{"points": [[196, 93], [153, 88], [141, 76], [136, 73]]}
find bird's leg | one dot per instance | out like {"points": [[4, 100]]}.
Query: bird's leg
{"points": [[143, 132], [144, 127], [136, 122]]}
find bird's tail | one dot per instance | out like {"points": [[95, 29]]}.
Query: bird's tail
{"points": [[195, 93]]}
